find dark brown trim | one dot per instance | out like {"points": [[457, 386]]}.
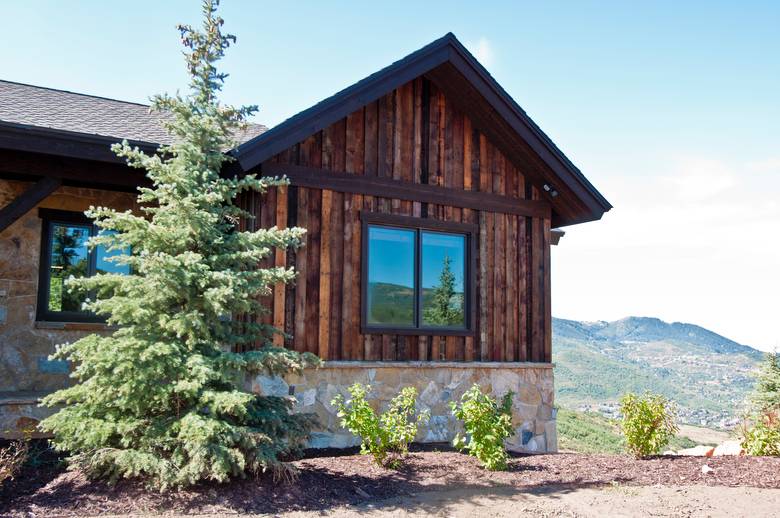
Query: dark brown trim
{"points": [[314, 178], [36, 139], [23, 203], [418, 225], [556, 235], [29, 166]]}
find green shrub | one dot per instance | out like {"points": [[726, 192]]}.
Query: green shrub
{"points": [[487, 424], [649, 423], [762, 435], [385, 437], [12, 457]]}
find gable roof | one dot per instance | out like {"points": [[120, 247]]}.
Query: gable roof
{"points": [[53, 114], [447, 63]]}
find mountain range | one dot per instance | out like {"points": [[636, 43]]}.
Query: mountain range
{"points": [[706, 374]]}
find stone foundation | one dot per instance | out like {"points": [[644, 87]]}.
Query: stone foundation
{"points": [[437, 384]]}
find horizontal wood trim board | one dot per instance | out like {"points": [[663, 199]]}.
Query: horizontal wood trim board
{"points": [[315, 178]]}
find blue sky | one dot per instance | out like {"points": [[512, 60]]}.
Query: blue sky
{"points": [[670, 108]]}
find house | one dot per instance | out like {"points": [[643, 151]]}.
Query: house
{"points": [[431, 202]]}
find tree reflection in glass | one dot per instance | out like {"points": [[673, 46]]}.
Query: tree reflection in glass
{"points": [[443, 273], [69, 256]]}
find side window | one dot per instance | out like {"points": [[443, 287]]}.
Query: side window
{"points": [[64, 253], [417, 275]]}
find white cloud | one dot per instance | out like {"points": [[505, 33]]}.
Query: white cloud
{"points": [[696, 178], [483, 51], [769, 165]]}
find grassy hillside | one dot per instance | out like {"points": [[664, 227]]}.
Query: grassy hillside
{"points": [[589, 432], [394, 304], [705, 373]]}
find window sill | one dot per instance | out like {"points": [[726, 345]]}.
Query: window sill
{"points": [[415, 331], [73, 326]]}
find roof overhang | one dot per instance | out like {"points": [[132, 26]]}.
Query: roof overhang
{"points": [[48, 141], [453, 69]]}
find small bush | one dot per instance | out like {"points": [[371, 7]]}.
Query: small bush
{"points": [[487, 424], [385, 437], [12, 458], [648, 424], [762, 435]]}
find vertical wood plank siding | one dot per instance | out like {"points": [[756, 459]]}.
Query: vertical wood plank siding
{"points": [[414, 135]]}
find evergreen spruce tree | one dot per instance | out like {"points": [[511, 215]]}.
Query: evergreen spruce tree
{"points": [[766, 395], [161, 397]]}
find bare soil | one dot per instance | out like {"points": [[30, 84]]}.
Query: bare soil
{"points": [[701, 435], [352, 483]]}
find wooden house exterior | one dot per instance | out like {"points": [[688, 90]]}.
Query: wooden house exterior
{"points": [[428, 149]]}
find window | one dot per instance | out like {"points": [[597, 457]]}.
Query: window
{"points": [[417, 276], [64, 252]]}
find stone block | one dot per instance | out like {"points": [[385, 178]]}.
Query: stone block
{"points": [[551, 434], [47, 366], [271, 386]]}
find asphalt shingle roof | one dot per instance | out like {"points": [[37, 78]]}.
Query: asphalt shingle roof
{"points": [[80, 113]]}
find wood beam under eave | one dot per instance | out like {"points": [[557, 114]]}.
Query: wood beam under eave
{"points": [[27, 200], [555, 236]]}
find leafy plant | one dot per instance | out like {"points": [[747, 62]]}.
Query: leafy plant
{"points": [[487, 425], [761, 430], [386, 437], [163, 396], [761, 436], [12, 457], [649, 423]]}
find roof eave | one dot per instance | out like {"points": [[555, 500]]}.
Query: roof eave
{"points": [[87, 146]]}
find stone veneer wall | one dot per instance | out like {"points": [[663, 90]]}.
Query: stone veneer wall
{"points": [[437, 384], [25, 345]]}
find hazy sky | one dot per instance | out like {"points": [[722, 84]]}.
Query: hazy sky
{"points": [[671, 109]]}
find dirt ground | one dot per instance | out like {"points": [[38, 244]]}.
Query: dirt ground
{"points": [[703, 435], [613, 501], [438, 483]]}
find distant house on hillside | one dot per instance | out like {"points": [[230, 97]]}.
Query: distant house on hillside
{"points": [[430, 199]]}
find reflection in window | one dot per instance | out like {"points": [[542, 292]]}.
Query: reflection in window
{"points": [[103, 262], [65, 255], [391, 276], [443, 273], [69, 256], [416, 279]]}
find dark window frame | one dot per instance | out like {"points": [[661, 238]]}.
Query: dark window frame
{"points": [[470, 231], [49, 218]]}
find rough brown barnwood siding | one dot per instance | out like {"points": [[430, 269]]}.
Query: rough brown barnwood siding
{"points": [[414, 135]]}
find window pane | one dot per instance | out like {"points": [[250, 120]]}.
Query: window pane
{"points": [[443, 274], [69, 256], [103, 265], [390, 276]]}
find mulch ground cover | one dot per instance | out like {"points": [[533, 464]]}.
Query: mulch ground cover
{"points": [[324, 482]]}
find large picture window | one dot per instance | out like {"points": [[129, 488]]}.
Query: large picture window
{"points": [[417, 275], [64, 253]]}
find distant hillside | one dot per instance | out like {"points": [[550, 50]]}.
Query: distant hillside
{"points": [[589, 432], [393, 303], [708, 375]]}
